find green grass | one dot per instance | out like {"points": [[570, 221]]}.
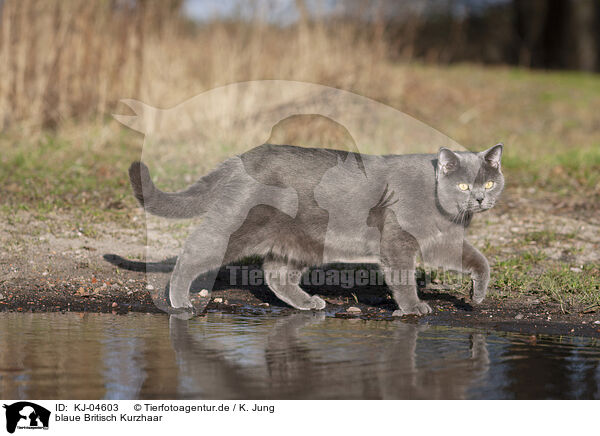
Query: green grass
{"points": [[567, 172], [547, 237], [569, 288], [56, 173], [511, 276], [573, 290]]}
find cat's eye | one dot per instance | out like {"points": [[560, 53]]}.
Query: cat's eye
{"points": [[489, 185], [463, 186]]}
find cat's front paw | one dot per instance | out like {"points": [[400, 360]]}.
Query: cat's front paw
{"points": [[180, 302], [419, 308], [479, 291], [477, 299]]}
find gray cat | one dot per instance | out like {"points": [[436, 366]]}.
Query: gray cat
{"points": [[300, 207]]}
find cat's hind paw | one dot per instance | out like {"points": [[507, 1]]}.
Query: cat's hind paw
{"points": [[317, 302], [310, 303], [419, 308]]}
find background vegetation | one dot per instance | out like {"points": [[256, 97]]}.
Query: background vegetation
{"points": [[462, 67]]}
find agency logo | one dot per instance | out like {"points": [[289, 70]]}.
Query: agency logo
{"points": [[26, 415]]}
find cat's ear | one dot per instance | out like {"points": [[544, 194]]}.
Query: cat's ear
{"points": [[447, 160], [493, 155]]}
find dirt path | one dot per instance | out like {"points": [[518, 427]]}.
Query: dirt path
{"points": [[55, 264]]}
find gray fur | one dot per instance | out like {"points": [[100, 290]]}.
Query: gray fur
{"points": [[299, 207]]}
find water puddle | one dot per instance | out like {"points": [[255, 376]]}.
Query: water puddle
{"points": [[302, 355]]}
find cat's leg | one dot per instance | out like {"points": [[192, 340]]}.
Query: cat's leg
{"points": [[398, 262], [283, 281], [400, 278], [208, 247], [477, 265], [195, 260], [203, 255]]}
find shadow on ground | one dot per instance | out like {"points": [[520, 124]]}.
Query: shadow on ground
{"points": [[235, 276]]}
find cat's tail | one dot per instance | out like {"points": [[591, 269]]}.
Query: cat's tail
{"points": [[182, 204]]}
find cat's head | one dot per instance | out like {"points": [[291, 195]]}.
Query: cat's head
{"points": [[469, 182]]}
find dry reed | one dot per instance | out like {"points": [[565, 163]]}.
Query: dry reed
{"points": [[75, 59]]}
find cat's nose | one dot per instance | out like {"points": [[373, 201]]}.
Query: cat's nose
{"points": [[479, 199]]}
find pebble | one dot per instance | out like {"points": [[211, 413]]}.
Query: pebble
{"points": [[115, 305], [150, 287], [264, 304], [1, 296], [519, 316], [596, 322], [218, 300], [204, 293], [577, 270], [115, 287], [397, 312], [353, 309]]}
